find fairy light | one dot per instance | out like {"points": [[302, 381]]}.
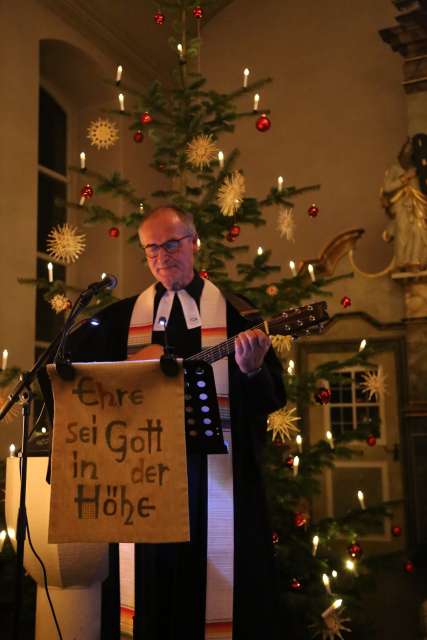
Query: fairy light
{"points": [[82, 161], [43, 430], [4, 358], [326, 583], [122, 101], [280, 183], [291, 368], [362, 345], [334, 606], [296, 465], [351, 566], [246, 73], [298, 440], [221, 159], [292, 267], [330, 439], [260, 251], [361, 499], [311, 272], [141, 207], [256, 101], [103, 275], [334, 574], [50, 271], [180, 50], [315, 542]]}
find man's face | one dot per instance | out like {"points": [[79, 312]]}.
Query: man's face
{"points": [[173, 270]]}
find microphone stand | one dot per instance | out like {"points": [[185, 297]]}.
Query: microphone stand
{"points": [[168, 362], [23, 393]]}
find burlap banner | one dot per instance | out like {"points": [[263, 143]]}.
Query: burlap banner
{"points": [[119, 469]]}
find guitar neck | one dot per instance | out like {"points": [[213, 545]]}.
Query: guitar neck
{"points": [[219, 351]]}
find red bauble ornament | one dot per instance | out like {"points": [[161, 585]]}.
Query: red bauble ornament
{"points": [[295, 584], [300, 519], [87, 191], [323, 395], [263, 123], [313, 211], [289, 462], [275, 537], [145, 118], [235, 231], [198, 12], [138, 136], [371, 441], [113, 232], [204, 274], [345, 302], [396, 531], [159, 17], [409, 566], [355, 550]]}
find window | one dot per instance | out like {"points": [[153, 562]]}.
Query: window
{"points": [[350, 406], [52, 204]]}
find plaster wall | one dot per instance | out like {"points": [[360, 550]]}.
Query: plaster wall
{"points": [[338, 115]]}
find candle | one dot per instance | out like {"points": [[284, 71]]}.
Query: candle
{"points": [[82, 161], [119, 74], [361, 499], [280, 183], [2, 538], [362, 344], [221, 159], [330, 439], [103, 275], [298, 440], [11, 532], [50, 271], [351, 566], [335, 574], [334, 606], [122, 101], [291, 368], [311, 272], [256, 101], [327, 583], [180, 50], [260, 251], [315, 545], [141, 207], [296, 465], [199, 243], [43, 430], [292, 267], [12, 450], [245, 77], [4, 359]]}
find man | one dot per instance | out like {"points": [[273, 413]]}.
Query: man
{"points": [[221, 583]]}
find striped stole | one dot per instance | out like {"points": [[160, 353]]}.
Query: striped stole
{"points": [[220, 542]]}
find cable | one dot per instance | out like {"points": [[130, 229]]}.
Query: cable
{"points": [[38, 420], [43, 569]]}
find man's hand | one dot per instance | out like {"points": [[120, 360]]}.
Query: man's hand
{"points": [[251, 347]]}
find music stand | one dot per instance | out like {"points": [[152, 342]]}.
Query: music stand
{"points": [[203, 429]]}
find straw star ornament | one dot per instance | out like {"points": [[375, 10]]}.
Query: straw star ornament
{"points": [[230, 193], [102, 133], [201, 151], [374, 384], [64, 244], [281, 423]]}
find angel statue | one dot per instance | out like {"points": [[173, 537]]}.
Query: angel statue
{"points": [[405, 201]]}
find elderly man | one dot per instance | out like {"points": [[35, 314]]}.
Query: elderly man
{"points": [[221, 583]]}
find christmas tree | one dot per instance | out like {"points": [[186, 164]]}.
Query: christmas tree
{"points": [[186, 122]]}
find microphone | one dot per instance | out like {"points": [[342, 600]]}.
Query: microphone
{"points": [[107, 282]]}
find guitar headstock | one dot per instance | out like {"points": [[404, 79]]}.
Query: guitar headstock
{"points": [[300, 321]]}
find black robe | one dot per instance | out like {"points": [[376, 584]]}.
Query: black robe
{"points": [[170, 581]]}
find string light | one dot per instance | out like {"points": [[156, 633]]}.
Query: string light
{"points": [[296, 465], [256, 101], [330, 439], [326, 583], [292, 267], [260, 251], [311, 272], [122, 101], [291, 368], [280, 183], [351, 566], [4, 357], [180, 50], [334, 574], [50, 272], [3, 535], [361, 499], [119, 74], [12, 450], [82, 161], [298, 440], [362, 345], [221, 159]]}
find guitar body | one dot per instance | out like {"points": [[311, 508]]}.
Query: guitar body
{"points": [[150, 352]]}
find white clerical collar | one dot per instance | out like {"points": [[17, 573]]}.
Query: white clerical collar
{"points": [[189, 308]]}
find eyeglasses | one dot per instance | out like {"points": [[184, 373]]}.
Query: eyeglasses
{"points": [[170, 246]]}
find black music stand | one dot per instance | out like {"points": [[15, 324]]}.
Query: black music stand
{"points": [[203, 429]]}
